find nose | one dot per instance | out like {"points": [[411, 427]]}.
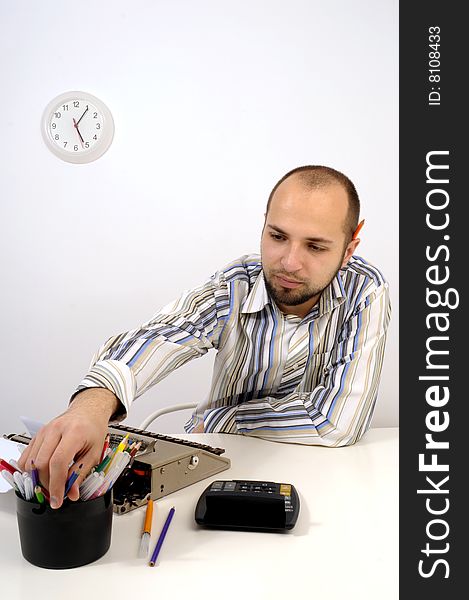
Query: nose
{"points": [[291, 260]]}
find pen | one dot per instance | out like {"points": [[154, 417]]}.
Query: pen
{"points": [[357, 230], [28, 486], [19, 482], [9, 477], [159, 543], [146, 534]]}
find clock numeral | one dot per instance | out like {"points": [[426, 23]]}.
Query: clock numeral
{"points": [[95, 115], [56, 136], [65, 106], [65, 144], [98, 125], [87, 144], [75, 148], [54, 125], [76, 104], [57, 115], [95, 137]]}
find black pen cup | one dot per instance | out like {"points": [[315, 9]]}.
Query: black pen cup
{"points": [[73, 535]]}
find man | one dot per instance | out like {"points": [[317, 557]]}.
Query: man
{"points": [[300, 334]]}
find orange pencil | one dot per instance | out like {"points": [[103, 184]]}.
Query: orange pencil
{"points": [[146, 534], [357, 230]]}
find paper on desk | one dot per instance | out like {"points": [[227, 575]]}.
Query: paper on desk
{"points": [[8, 450], [32, 426]]}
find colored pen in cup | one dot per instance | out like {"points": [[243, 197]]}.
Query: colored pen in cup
{"points": [[7, 476], [17, 476], [6, 465], [28, 486]]}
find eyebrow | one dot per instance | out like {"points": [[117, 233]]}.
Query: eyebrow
{"points": [[308, 239]]}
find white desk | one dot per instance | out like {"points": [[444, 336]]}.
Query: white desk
{"points": [[344, 545]]}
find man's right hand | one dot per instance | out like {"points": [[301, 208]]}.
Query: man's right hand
{"points": [[76, 436]]}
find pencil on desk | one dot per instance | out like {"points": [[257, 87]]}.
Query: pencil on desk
{"points": [[160, 541], [146, 534]]}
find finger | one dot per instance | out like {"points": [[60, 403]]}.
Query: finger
{"points": [[41, 455], [59, 453], [24, 460], [88, 460]]}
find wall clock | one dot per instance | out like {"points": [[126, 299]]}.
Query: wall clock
{"points": [[77, 127]]}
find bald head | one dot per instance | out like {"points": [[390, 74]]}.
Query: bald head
{"points": [[316, 177]]}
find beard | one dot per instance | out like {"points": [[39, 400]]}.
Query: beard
{"points": [[295, 296]]}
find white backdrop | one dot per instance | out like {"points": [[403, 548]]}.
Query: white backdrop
{"points": [[213, 101]]}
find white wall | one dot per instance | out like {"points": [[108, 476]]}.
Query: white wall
{"points": [[213, 101]]}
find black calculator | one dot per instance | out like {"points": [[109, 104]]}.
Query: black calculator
{"points": [[248, 505]]}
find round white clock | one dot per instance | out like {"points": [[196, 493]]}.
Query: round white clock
{"points": [[77, 127]]}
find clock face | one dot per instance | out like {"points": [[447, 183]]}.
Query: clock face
{"points": [[77, 127]]}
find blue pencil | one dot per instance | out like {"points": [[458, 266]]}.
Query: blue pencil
{"points": [[159, 543], [71, 480]]}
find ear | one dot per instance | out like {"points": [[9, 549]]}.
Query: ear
{"points": [[349, 251]]}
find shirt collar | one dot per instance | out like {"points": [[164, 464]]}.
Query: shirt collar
{"points": [[332, 296], [258, 297]]}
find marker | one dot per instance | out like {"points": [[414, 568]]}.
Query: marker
{"points": [[7, 476], [5, 465], [17, 476], [28, 486], [160, 541]]}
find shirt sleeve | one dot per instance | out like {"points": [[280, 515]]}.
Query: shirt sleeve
{"points": [[130, 363], [335, 413]]}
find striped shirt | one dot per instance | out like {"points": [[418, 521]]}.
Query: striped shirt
{"points": [[276, 376]]}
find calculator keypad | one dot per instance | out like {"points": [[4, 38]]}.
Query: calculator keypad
{"points": [[262, 487]]}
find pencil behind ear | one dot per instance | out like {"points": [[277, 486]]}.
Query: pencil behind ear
{"points": [[357, 230]]}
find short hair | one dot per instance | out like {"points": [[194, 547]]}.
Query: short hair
{"points": [[317, 176]]}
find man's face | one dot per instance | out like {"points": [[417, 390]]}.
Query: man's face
{"points": [[303, 243]]}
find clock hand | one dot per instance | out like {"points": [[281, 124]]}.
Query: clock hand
{"points": [[75, 124], [82, 115]]}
